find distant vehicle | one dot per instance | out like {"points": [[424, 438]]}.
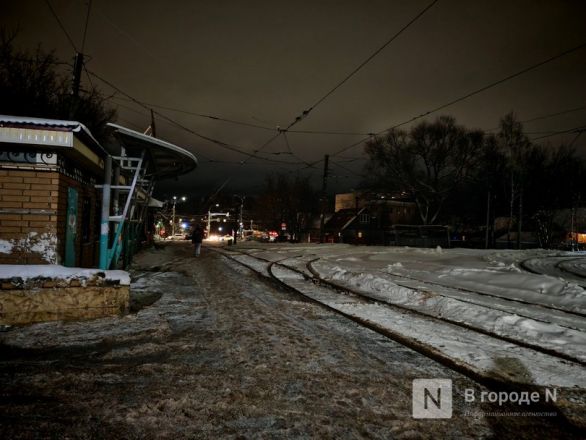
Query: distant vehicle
{"points": [[177, 236], [221, 238], [226, 238]]}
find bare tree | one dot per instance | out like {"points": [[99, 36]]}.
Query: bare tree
{"points": [[516, 147], [37, 84], [429, 162]]}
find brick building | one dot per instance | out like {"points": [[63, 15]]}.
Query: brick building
{"points": [[65, 200], [49, 205]]}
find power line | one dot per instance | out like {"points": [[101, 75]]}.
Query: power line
{"points": [[563, 112], [291, 150], [250, 155], [141, 104], [61, 25], [222, 144], [201, 115], [37, 60], [305, 113], [469, 95], [546, 116], [87, 21], [578, 130], [89, 78], [575, 138], [343, 133], [128, 36], [208, 159], [346, 169]]}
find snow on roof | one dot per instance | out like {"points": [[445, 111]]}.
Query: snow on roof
{"points": [[74, 126], [168, 159], [154, 203], [55, 271], [153, 140]]}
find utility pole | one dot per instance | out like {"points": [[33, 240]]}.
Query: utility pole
{"points": [[240, 224], [153, 128], [105, 217], [324, 199], [173, 219], [486, 237], [77, 66]]}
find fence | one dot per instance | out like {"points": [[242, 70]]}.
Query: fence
{"points": [[420, 235]]}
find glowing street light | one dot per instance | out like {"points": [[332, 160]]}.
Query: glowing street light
{"points": [[183, 199]]}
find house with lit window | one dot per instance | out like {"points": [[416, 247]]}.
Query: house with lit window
{"points": [[368, 217]]}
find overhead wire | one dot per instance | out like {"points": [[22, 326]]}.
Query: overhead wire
{"points": [[89, 74], [58, 20], [340, 133], [308, 110], [87, 21], [578, 130], [571, 144], [349, 170], [469, 95], [203, 115], [222, 144], [563, 112], [291, 150], [546, 116]]}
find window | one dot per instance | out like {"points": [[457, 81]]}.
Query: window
{"points": [[364, 218]]}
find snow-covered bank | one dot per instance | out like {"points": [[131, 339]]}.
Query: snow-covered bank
{"points": [[427, 300], [25, 273], [473, 307]]}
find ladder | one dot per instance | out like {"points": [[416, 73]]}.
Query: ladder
{"points": [[119, 230]]}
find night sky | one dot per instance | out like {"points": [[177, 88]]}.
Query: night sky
{"points": [[262, 63]]}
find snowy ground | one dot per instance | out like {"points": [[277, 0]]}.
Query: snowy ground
{"points": [[517, 317], [213, 350]]}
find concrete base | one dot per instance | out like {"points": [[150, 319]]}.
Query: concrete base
{"points": [[69, 303]]}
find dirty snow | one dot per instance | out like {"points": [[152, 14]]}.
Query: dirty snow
{"points": [[56, 271], [224, 354], [43, 244], [482, 290]]}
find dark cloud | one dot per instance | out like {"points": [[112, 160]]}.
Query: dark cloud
{"points": [[264, 62]]}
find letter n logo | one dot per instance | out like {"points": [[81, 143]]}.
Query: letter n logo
{"points": [[432, 398]]}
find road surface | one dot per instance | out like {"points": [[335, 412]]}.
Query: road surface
{"points": [[222, 353]]}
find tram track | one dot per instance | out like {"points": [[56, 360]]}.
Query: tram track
{"points": [[341, 300]]}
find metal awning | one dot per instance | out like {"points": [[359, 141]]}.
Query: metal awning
{"points": [[166, 160], [51, 124], [154, 203]]}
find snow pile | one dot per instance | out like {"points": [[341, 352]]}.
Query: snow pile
{"points": [[478, 352], [6, 246], [379, 286], [44, 244], [55, 271]]}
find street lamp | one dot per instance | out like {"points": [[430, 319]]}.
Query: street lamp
{"points": [[240, 224], [209, 218], [183, 199]]}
